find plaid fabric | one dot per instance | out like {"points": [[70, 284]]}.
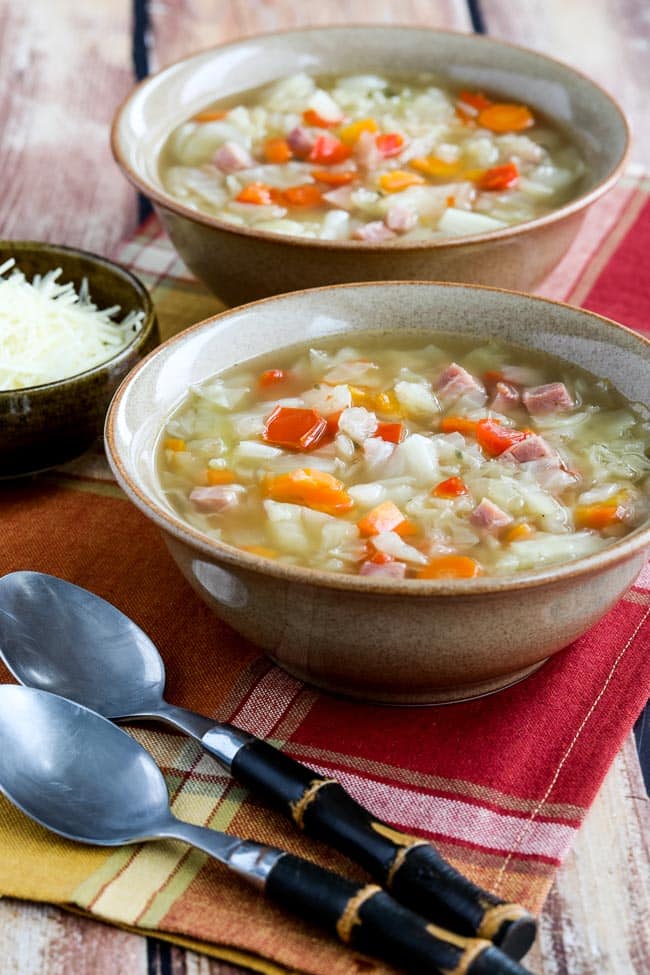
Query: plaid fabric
{"points": [[501, 784]]}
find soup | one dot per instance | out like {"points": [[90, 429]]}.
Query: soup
{"points": [[370, 158], [395, 458]]}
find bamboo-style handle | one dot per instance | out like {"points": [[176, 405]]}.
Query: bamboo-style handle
{"points": [[370, 920], [414, 872]]}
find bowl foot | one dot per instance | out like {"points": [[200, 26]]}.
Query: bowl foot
{"points": [[416, 698]]}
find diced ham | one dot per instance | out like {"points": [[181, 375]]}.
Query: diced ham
{"points": [[400, 218], [301, 141], [506, 396], [532, 448], [489, 516], [390, 570], [375, 232], [217, 498], [456, 381], [230, 158], [366, 152], [341, 197], [550, 398]]}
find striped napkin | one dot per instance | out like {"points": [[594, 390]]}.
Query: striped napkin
{"points": [[500, 784]]}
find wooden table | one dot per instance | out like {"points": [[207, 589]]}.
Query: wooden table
{"points": [[65, 66]]}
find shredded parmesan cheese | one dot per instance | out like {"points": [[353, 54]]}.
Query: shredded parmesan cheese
{"points": [[49, 332]]}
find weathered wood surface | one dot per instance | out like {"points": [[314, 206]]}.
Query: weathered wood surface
{"points": [[64, 67]]}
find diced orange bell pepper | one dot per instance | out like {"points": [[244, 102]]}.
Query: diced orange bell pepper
{"points": [[351, 132], [311, 117], [459, 424], [451, 567], [362, 396], [209, 116], [328, 150], [297, 429], [277, 151], [270, 377], [312, 488], [600, 514], [305, 195], [391, 432], [435, 168], [494, 438], [499, 178], [398, 179], [502, 117], [221, 475], [389, 144], [175, 444], [475, 99], [334, 179], [258, 193], [386, 517], [453, 487]]}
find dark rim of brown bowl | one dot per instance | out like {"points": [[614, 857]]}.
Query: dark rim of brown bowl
{"points": [[144, 298], [168, 202], [617, 552]]}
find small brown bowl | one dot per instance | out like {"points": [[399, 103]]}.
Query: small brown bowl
{"points": [[240, 263], [42, 426], [398, 641]]}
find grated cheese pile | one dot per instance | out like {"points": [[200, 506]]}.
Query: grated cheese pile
{"points": [[49, 332]]}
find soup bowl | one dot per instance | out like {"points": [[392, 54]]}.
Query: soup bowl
{"points": [[398, 641], [241, 263]]}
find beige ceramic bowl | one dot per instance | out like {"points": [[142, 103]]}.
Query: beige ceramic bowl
{"points": [[241, 264], [394, 641]]}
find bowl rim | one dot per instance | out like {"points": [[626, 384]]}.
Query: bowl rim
{"points": [[618, 551], [148, 325], [167, 201]]}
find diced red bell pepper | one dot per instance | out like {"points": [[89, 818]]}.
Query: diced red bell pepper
{"points": [[494, 438], [453, 487], [297, 429], [328, 150], [392, 432], [499, 178], [389, 144]]}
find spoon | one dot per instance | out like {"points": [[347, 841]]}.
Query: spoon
{"points": [[61, 638], [77, 774]]}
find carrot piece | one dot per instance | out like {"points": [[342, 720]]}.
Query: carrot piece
{"points": [[380, 558], [475, 99], [386, 517], [499, 177], [453, 487], [399, 179], [294, 428], [334, 179], [502, 117], [391, 432], [451, 201], [277, 151], [209, 116], [458, 424], [311, 117], [494, 438], [272, 376], [600, 514], [518, 532], [175, 444], [222, 475], [389, 144], [305, 195], [258, 193], [434, 167], [312, 488], [451, 567], [351, 132], [328, 150]]}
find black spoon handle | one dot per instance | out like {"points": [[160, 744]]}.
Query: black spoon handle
{"points": [[370, 920], [414, 872]]}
